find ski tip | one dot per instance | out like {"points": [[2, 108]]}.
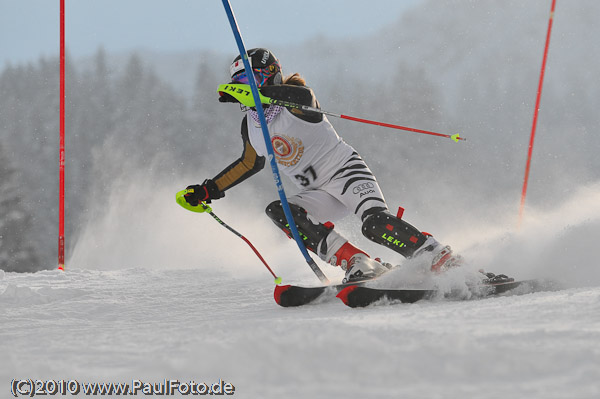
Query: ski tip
{"points": [[343, 294], [280, 289]]}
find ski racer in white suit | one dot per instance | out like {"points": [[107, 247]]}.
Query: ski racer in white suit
{"points": [[333, 178]]}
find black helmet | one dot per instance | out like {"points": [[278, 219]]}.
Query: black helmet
{"points": [[264, 64]]}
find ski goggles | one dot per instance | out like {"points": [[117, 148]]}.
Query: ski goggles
{"points": [[261, 75]]}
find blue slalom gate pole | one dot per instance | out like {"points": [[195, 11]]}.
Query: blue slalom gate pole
{"points": [[269, 145]]}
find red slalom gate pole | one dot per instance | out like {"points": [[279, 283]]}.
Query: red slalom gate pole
{"points": [[61, 200], [535, 113]]}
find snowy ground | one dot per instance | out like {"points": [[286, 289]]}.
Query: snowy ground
{"points": [[116, 326], [153, 293]]}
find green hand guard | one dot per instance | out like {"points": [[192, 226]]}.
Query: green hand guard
{"points": [[200, 208], [242, 93]]}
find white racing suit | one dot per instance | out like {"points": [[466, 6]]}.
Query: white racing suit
{"points": [[333, 179]]}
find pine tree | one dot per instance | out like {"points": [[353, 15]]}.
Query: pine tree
{"points": [[16, 251]]}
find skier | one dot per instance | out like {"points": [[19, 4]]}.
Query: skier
{"points": [[333, 178]]}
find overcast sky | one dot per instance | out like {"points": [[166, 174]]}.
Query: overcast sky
{"points": [[30, 28]]}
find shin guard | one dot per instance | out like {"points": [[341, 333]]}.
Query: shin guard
{"points": [[388, 230], [313, 234]]}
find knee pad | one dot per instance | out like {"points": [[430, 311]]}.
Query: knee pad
{"points": [[311, 233], [392, 232]]}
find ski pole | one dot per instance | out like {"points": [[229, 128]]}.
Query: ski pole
{"points": [[202, 207], [241, 92]]}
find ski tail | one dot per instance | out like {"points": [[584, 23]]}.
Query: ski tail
{"points": [[343, 294], [280, 290], [292, 295]]}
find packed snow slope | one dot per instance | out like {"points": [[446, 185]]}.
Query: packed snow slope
{"points": [[124, 325], [155, 292]]}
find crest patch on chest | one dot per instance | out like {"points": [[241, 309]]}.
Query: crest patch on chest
{"points": [[288, 150]]}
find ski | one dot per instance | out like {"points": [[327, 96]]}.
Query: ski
{"points": [[356, 296]]}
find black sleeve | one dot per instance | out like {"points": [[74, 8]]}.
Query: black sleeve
{"points": [[296, 94], [247, 165]]}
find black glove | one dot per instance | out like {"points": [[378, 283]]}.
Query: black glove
{"points": [[226, 98], [203, 193]]}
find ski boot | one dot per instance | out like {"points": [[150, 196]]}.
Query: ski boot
{"points": [[386, 264], [357, 264], [443, 257]]}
